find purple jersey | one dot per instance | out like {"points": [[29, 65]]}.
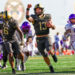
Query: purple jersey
{"points": [[1, 40], [1, 56]]}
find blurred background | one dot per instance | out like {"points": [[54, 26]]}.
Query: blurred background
{"points": [[59, 9]]}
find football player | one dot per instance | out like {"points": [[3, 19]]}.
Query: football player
{"points": [[10, 42], [42, 22], [70, 30], [27, 33], [64, 44]]}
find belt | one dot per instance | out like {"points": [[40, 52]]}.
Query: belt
{"points": [[42, 35]]}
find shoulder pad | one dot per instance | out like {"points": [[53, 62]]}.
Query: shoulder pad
{"points": [[33, 16], [47, 16], [11, 20], [67, 26]]}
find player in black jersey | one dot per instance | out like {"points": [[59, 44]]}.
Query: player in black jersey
{"points": [[10, 42], [42, 22]]}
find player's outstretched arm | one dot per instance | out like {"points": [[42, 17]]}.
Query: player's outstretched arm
{"points": [[27, 13]]}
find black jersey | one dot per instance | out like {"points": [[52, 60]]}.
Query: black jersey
{"points": [[1, 23], [40, 24], [9, 29]]}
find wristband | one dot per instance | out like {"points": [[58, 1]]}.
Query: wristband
{"points": [[28, 9], [27, 16]]}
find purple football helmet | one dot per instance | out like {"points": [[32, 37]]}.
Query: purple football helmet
{"points": [[25, 27], [72, 16]]}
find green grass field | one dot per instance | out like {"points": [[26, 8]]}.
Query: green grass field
{"points": [[36, 66]]}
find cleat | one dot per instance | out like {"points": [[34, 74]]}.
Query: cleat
{"points": [[4, 67], [13, 71], [22, 66], [51, 69], [18, 68], [54, 58]]}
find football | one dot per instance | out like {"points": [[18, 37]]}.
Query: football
{"points": [[49, 24]]}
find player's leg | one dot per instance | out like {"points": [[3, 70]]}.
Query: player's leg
{"points": [[58, 47], [62, 48], [17, 61], [73, 46], [26, 55], [8, 46], [5, 56], [55, 48], [41, 48], [48, 46], [66, 47], [20, 55], [15, 56], [1, 55], [47, 60], [18, 66], [11, 60]]}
